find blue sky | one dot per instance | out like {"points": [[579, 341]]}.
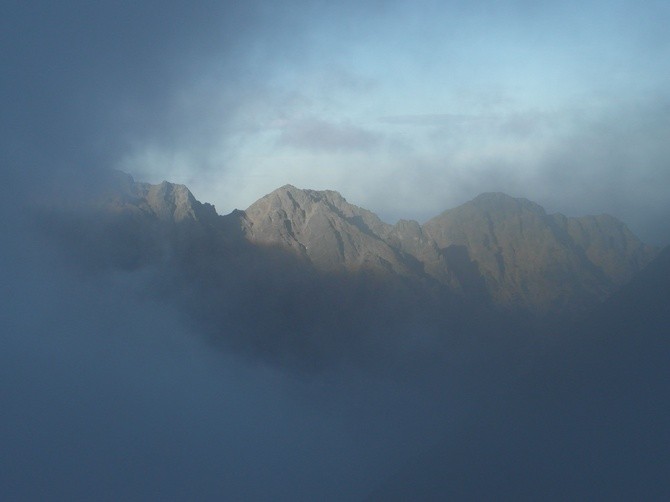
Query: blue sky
{"points": [[407, 108]]}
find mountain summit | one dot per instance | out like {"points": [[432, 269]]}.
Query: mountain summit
{"points": [[324, 228], [496, 249]]}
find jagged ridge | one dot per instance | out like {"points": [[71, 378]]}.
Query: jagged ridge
{"points": [[495, 248]]}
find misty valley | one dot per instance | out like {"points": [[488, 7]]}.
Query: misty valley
{"points": [[495, 349]]}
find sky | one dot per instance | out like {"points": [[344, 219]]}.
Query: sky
{"points": [[406, 108]]}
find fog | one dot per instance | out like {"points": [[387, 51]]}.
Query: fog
{"points": [[109, 392], [161, 379], [121, 381]]}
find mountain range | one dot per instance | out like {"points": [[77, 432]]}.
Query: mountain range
{"points": [[506, 250], [299, 267], [496, 248]]}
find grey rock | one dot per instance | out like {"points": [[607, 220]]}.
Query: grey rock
{"points": [[530, 259], [324, 228]]}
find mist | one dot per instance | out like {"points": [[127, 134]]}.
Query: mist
{"points": [[113, 385], [151, 377], [109, 393], [160, 378]]}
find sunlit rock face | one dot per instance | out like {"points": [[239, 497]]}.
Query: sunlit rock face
{"points": [[324, 228]]}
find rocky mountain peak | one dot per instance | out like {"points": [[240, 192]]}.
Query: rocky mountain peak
{"points": [[171, 202], [528, 257], [324, 228], [295, 201], [168, 202], [607, 241]]}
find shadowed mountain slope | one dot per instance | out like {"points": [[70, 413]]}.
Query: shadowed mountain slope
{"points": [[528, 258]]}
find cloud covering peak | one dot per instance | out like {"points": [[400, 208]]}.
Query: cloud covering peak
{"points": [[431, 103]]}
